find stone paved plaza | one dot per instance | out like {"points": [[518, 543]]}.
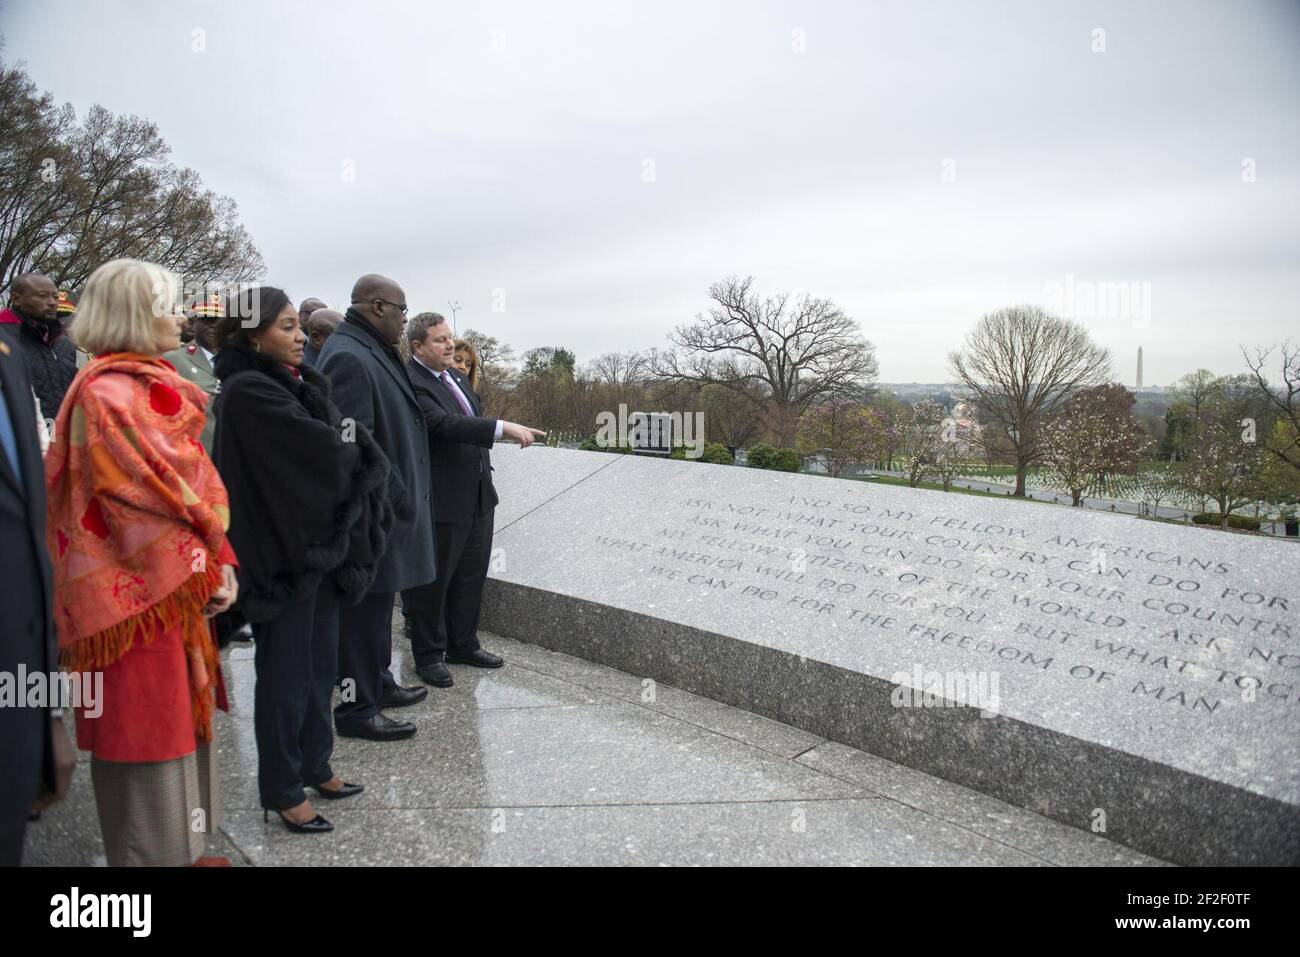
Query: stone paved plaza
{"points": [[554, 760]]}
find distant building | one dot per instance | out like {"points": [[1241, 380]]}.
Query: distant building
{"points": [[1139, 378], [968, 429]]}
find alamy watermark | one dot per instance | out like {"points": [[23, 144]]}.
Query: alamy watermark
{"points": [[946, 689], [651, 430], [1086, 299], [59, 689]]}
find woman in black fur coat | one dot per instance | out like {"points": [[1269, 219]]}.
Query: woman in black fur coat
{"points": [[309, 519]]}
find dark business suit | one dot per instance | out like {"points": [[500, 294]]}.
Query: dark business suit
{"points": [[371, 386], [444, 614], [26, 613]]}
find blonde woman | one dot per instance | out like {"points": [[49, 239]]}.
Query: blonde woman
{"points": [[136, 531]]}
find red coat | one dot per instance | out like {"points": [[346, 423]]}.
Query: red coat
{"points": [[144, 706]]}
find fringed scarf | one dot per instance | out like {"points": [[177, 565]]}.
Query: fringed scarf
{"points": [[137, 519]]}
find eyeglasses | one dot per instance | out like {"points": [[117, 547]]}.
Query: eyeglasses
{"points": [[399, 305]]}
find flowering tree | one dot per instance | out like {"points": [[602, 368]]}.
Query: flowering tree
{"points": [[843, 431], [923, 439], [895, 417], [952, 453], [1093, 436]]}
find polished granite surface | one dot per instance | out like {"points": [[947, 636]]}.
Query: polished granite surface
{"points": [[554, 760]]}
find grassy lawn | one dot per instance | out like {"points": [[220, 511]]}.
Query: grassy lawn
{"points": [[935, 486], [997, 471]]}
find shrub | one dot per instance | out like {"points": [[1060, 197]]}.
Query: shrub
{"points": [[591, 445], [715, 453], [1234, 521], [760, 456], [779, 460], [787, 460]]}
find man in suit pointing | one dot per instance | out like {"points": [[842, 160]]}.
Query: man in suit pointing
{"points": [[442, 616]]}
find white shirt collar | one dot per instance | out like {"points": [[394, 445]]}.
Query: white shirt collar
{"points": [[444, 374]]}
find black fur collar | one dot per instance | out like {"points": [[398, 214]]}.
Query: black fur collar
{"points": [[241, 357]]}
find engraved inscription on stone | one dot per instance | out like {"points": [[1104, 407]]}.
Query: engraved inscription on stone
{"points": [[1165, 629]]}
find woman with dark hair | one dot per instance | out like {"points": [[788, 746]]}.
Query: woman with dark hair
{"points": [[309, 507]]}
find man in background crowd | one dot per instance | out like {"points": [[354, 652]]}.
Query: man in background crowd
{"points": [[320, 326], [33, 318], [68, 312], [194, 361], [67, 309], [35, 750], [306, 308]]}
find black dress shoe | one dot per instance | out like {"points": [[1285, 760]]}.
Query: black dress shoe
{"points": [[346, 791], [436, 674], [379, 728], [401, 697], [317, 825], [478, 658]]}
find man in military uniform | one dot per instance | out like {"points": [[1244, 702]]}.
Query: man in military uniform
{"points": [[68, 312], [194, 361]]}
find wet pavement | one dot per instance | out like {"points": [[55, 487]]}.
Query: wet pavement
{"points": [[553, 760]]}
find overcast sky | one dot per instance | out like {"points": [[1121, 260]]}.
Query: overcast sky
{"points": [[600, 164]]}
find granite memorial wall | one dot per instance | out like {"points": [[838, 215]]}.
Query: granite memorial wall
{"points": [[1137, 679]]}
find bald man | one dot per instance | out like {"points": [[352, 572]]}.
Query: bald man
{"points": [[306, 308], [371, 388], [320, 326], [33, 318]]}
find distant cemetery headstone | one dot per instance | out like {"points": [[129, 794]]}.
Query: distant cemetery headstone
{"points": [[651, 433], [1136, 679]]}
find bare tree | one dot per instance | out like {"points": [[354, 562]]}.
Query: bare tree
{"points": [[78, 195], [1020, 366], [497, 390], [1283, 401], [620, 368], [729, 416], [490, 349], [791, 352]]}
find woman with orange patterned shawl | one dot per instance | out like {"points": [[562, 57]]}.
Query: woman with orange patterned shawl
{"points": [[137, 534]]}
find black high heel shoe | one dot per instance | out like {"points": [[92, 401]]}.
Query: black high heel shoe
{"points": [[317, 825], [346, 791]]}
